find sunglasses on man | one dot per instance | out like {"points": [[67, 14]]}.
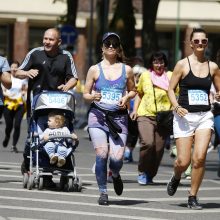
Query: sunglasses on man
{"points": [[202, 41]]}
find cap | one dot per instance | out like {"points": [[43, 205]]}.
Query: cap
{"points": [[109, 34]]}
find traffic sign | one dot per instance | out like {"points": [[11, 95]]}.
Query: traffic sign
{"points": [[68, 34]]}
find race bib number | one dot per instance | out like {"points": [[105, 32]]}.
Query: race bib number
{"points": [[110, 97], [198, 97], [57, 99]]}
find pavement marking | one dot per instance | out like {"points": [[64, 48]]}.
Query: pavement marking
{"points": [[23, 208], [182, 211], [78, 194]]}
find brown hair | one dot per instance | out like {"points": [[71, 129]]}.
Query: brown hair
{"points": [[59, 118], [198, 30]]}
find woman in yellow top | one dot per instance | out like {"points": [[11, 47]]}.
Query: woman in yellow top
{"points": [[14, 107], [152, 97]]}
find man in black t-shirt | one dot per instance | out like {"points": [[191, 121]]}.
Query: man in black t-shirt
{"points": [[47, 68]]}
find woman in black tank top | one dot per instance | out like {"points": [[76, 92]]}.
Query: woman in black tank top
{"points": [[193, 119]]}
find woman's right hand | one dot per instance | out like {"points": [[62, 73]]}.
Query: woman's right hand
{"points": [[96, 96], [181, 111]]}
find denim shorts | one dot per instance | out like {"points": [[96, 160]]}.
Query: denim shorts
{"points": [[187, 125]]}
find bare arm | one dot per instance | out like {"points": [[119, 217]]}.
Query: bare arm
{"points": [[5, 79], [71, 83], [130, 87], [216, 81], [176, 77], [22, 74], [137, 102], [90, 80]]}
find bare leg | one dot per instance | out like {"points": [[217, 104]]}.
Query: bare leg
{"points": [[184, 146], [202, 139]]}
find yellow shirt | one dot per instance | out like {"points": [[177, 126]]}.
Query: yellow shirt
{"points": [[147, 105]]}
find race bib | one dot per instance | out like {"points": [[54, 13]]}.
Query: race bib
{"points": [[198, 97], [110, 97]]}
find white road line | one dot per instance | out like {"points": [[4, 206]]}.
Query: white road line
{"points": [[76, 212], [77, 194], [214, 210]]}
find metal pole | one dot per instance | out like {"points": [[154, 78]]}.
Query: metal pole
{"points": [[177, 42], [91, 35]]}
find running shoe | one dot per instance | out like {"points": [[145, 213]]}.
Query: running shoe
{"points": [[103, 199], [193, 203], [172, 186], [118, 184], [14, 149], [142, 180], [128, 158], [5, 141]]}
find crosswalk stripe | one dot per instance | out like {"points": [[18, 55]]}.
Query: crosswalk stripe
{"points": [[77, 212]]}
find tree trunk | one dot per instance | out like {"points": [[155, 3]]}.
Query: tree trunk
{"points": [[123, 23], [149, 35], [72, 6], [102, 7]]}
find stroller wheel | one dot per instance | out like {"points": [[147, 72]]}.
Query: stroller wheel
{"points": [[41, 183], [25, 180], [68, 187], [63, 181], [30, 183], [77, 184]]}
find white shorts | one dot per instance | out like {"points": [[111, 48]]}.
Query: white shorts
{"points": [[187, 125]]}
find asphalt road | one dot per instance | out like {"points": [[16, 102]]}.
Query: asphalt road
{"points": [[136, 202]]}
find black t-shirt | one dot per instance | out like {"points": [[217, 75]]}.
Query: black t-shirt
{"points": [[53, 71], [196, 90]]}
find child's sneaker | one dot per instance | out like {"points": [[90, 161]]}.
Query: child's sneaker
{"points": [[61, 161], [53, 158]]}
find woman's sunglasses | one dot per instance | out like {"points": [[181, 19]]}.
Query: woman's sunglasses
{"points": [[203, 41], [109, 43]]}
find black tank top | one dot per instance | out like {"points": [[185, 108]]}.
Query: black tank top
{"points": [[194, 92]]}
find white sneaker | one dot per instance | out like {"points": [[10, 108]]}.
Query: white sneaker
{"points": [[61, 161]]}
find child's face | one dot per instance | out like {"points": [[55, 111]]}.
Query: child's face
{"points": [[51, 122]]}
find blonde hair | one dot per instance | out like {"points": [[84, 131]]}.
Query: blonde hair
{"points": [[59, 118]]}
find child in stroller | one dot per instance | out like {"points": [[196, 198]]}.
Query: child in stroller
{"points": [[56, 148], [51, 149]]}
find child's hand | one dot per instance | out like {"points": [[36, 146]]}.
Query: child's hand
{"points": [[46, 137], [74, 136]]}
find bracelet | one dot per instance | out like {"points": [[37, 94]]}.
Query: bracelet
{"points": [[177, 107]]}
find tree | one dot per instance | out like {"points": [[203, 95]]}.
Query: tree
{"points": [[123, 22], [149, 35], [70, 16], [102, 8]]}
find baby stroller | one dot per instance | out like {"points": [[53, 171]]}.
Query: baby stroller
{"points": [[40, 166]]}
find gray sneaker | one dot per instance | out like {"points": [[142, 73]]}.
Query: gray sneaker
{"points": [[193, 203]]}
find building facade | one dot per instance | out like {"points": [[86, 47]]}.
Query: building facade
{"points": [[23, 22]]}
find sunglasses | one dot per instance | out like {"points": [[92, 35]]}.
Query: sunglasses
{"points": [[109, 43], [156, 62], [203, 41]]}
